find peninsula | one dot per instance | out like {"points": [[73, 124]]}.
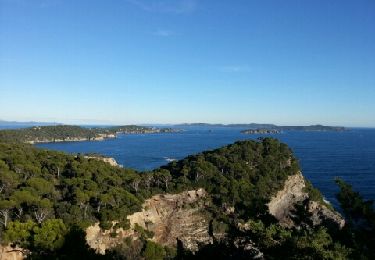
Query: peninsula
{"points": [[72, 133]]}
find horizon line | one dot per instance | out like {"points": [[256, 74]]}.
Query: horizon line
{"points": [[155, 124]]}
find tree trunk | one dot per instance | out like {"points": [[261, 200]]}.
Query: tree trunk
{"points": [[5, 214]]}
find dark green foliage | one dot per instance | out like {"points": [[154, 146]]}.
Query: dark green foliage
{"points": [[48, 236], [359, 230], [143, 233], [83, 192], [153, 251], [314, 194], [47, 199], [243, 175], [41, 133], [41, 186], [273, 242]]}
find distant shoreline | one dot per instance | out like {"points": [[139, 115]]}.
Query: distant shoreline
{"points": [[71, 133]]}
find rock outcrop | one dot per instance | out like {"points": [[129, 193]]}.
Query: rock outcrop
{"points": [[175, 216], [260, 131], [10, 253], [181, 217], [111, 161], [283, 205], [170, 217], [102, 240]]}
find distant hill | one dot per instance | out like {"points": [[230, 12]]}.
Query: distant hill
{"points": [[270, 127], [251, 125], [15, 124], [313, 128]]}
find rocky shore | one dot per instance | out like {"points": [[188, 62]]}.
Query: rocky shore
{"points": [[260, 131], [99, 137]]}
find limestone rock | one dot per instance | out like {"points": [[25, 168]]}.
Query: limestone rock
{"points": [[111, 161], [175, 216], [283, 204], [170, 217], [9, 253]]}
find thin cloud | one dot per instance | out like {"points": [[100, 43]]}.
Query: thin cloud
{"points": [[236, 68], [163, 33], [166, 6]]}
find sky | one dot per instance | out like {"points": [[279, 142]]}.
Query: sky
{"points": [[290, 62]]}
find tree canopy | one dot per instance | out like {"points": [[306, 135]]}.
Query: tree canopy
{"points": [[47, 197]]}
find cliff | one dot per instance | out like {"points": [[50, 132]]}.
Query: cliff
{"points": [[169, 217], [283, 206], [173, 217]]}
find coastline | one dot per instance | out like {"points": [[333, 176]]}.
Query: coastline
{"points": [[73, 139], [102, 137]]}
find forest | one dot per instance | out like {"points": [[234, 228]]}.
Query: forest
{"points": [[48, 198]]}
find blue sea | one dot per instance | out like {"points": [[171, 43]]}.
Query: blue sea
{"points": [[322, 155]]}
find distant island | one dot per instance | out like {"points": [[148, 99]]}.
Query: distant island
{"points": [[313, 128], [260, 131], [16, 124], [69, 133], [250, 125], [255, 126]]}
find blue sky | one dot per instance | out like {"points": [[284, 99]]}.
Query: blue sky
{"points": [[172, 61]]}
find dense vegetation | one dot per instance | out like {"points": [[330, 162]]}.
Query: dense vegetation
{"points": [[47, 198], [70, 132]]}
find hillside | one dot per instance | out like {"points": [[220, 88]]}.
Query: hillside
{"points": [[228, 201]]}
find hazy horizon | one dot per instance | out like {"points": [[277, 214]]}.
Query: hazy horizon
{"points": [[93, 123]]}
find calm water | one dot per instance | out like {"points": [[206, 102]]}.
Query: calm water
{"points": [[322, 155]]}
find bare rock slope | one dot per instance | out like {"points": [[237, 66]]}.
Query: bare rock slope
{"points": [[172, 217], [283, 205], [169, 217], [10, 253]]}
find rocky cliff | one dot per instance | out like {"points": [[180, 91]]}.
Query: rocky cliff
{"points": [[170, 217], [284, 205]]}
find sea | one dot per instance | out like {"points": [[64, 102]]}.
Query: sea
{"points": [[323, 156]]}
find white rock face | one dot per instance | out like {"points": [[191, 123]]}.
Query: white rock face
{"points": [[9, 253], [168, 216], [173, 216], [282, 205], [101, 240], [111, 161]]}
